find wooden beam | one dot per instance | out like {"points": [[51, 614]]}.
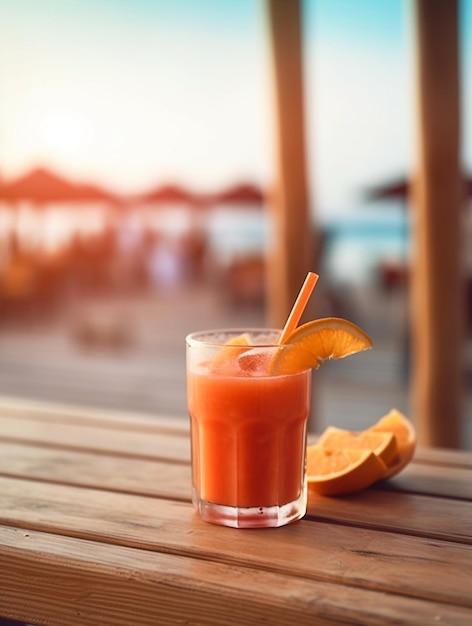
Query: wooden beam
{"points": [[288, 257], [437, 301]]}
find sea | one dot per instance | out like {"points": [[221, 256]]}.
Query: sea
{"points": [[359, 242], [355, 241]]}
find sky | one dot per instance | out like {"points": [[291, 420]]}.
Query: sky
{"points": [[135, 93]]}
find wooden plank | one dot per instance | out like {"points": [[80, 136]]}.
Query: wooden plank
{"points": [[60, 580], [400, 512], [142, 423], [288, 257], [118, 419], [160, 478], [99, 471], [338, 553], [443, 457], [145, 445], [449, 482], [437, 278]]}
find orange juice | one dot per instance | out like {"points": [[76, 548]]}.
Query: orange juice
{"points": [[248, 435]]}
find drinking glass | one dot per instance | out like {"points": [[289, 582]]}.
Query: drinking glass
{"points": [[248, 430]]}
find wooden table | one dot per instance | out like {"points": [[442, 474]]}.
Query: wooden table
{"points": [[96, 527]]}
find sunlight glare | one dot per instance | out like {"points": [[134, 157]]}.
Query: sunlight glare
{"points": [[63, 132]]}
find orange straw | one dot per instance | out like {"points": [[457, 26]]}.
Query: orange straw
{"points": [[299, 305]]}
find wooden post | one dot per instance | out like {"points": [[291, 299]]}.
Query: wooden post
{"points": [[289, 247], [437, 304]]}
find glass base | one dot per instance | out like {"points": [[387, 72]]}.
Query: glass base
{"points": [[251, 517]]}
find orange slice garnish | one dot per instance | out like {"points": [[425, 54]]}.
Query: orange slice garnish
{"points": [[383, 444], [340, 472], [341, 462], [316, 341], [400, 426]]}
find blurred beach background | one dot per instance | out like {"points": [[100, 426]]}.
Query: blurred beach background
{"points": [[136, 164]]}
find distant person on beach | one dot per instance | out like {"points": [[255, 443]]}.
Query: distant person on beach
{"points": [[194, 249], [164, 264]]}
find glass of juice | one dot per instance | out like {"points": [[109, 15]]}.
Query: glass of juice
{"points": [[248, 429]]}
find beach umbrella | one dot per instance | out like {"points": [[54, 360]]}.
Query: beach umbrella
{"points": [[165, 199], [242, 194], [395, 189], [170, 194], [399, 189], [41, 187]]}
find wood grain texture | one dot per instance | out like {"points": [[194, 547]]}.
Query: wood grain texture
{"points": [[400, 512], [433, 480], [96, 526], [118, 420], [171, 479], [321, 551], [68, 435], [100, 471], [80, 582]]}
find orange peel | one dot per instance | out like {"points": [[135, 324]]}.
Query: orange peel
{"points": [[343, 462], [314, 342], [399, 425], [341, 472], [383, 444]]}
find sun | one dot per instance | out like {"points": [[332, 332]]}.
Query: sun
{"points": [[63, 132]]}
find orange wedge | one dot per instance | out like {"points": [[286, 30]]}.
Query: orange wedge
{"points": [[229, 355], [316, 341], [339, 472], [405, 435], [383, 444]]}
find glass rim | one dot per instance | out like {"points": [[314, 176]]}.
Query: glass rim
{"points": [[203, 337]]}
